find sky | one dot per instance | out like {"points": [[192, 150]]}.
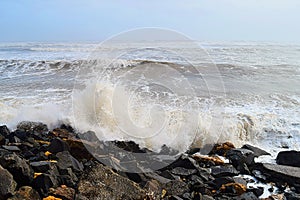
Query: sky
{"points": [[96, 20]]}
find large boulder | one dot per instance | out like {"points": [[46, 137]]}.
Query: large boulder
{"points": [[7, 184], [32, 127], [102, 183], [291, 158], [257, 151], [17, 166], [241, 159]]}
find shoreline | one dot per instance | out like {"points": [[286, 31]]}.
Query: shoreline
{"points": [[38, 163]]}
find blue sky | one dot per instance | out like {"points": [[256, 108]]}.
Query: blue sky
{"points": [[96, 20]]}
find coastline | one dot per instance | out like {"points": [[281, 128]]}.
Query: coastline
{"points": [[37, 163]]}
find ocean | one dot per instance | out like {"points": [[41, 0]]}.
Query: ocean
{"points": [[184, 95]]}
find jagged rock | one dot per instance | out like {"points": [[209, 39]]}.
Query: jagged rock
{"points": [[180, 171], [234, 188], [89, 136], [61, 133], [246, 196], [102, 183], [63, 192], [221, 171], [292, 196], [18, 167], [67, 177], [44, 182], [281, 174], [257, 191], [257, 151], [11, 148], [208, 160], [43, 166], [218, 182], [175, 187], [291, 158], [4, 131], [66, 160], [7, 184], [222, 149], [58, 145], [32, 127], [241, 159], [81, 149], [26, 193]]}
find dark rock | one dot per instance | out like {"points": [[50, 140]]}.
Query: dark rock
{"points": [[206, 197], [68, 178], [292, 196], [81, 149], [4, 131], [257, 191], [42, 166], [21, 134], [103, 183], [58, 145], [61, 133], [63, 192], [153, 188], [246, 196], [7, 184], [221, 171], [192, 151], [89, 136], [281, 174], [234, 188], [32, 127], [180, 171], [290, 158], [218, 182], [66, 160], [18, 167], [2, 140], [241, 159], [11, 148], [26, 193], [257, 151], [44, 182]]}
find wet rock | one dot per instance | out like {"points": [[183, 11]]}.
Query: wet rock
{"points": [[234, 188], [26, 193], [18, 167], [222, 149], [61, 133], [153, 189], [32, 127], [221, 171], [290, 158], [257, 191], [63, 192], [206, 197], [66, 160], [67, 177], [281, 174], [292, 196], [103, 183], [7, 184], [218, 182], [241, 159], [58, 145], [257, 151], [44, 182], [89, 136], [81, 149]]}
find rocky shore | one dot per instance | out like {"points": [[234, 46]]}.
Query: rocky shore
{"points": [[37, 163]]}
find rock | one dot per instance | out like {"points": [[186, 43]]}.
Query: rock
{"points": [[221, 171], [66, 160], [26, 193], [221, 149], [153, 189], [68, 178], [290, 158], [257, 191], [32, 127], [206, 197], [234, 188], [44, 182], [257, 151], [102, 183], [18, 167], [241, 159], [292, 196], [11, 148], [58, 145], [51, 198], [218, 182], [208, 160], [4, 131], [81, 149], [246, 196], [43, 166], [281, 174], [61, 133], [89, 136], [180, 171], [7, 184], [63, 192], [175, 187]]}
